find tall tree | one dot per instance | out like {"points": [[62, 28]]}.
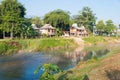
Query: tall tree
{"points": [[86, 17], [12, 16], [110, 27], [100, 26], [58, 18]]}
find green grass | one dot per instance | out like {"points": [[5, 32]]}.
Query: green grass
{"points": [[7, 47], [28, 45], [94, 39], [45, 43], [99, 39], [88, 67]]}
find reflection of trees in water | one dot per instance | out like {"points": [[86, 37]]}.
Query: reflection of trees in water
{"points": [[67, 59], [62, 60], [12, 70], [98, 53]]}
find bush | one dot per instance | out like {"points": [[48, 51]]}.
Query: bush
{"points": [[9, 47], [49, 71], [3, 48]]}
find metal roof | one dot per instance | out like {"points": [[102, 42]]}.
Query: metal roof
{"points": [[47, 26]]}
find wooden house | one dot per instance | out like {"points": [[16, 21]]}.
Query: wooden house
{"points": [[78, 31], [48, 30]]}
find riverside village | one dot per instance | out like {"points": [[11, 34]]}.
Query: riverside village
{"points": [[59, 40]]}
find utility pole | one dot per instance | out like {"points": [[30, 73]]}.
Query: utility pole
{"points": [[93, 29]]}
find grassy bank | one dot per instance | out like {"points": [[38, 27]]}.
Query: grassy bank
{"points": [[104, 68], [98, 39], [29, 45]]}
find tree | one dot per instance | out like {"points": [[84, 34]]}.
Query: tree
{"points": [[58, 18], [27, 30], [12, 16], [109, 27], [100, 26], [86, 17], [49, 71], [36, 20]]}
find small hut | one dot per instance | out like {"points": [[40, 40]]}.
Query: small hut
{"points": [[47, 29], [78, 31]]}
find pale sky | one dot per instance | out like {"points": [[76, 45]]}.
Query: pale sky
{"points": [[104, 9]]}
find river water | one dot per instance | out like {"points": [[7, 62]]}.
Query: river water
{"points": [[22, 66]]}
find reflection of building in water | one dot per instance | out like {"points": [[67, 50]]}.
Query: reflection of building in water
{"points": [[67, 59], [77, 55]]}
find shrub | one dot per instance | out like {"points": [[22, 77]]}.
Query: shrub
{"points": [[3, 48], [49, 71], [9, 47]]}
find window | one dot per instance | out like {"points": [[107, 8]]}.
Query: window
{"points": [[48, 30]]}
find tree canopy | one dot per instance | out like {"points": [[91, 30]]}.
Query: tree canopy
{"points": [[85, 17], [12, 16], [12, 20], [36, 20], [58, 18], [100, 25], [109, 27]]}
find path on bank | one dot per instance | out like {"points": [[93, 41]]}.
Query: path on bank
{"points": [[80, 43]]}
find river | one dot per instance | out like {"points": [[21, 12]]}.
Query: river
{"points": [[22, 66]]}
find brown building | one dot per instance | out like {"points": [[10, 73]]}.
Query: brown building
{"points": [[48, 30], [78, 31]]}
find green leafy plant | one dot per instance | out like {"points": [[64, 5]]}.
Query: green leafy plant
{"points": [[49, 71], [3, 47]]}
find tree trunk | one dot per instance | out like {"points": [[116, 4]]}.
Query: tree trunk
{"points": [[22, 36], [3, 34], [11, 35]]}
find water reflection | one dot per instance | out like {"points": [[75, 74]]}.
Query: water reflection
{"points": [[22, 66]]}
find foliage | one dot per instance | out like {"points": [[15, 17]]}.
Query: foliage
{"points": [[45, 44], [36, 20], [27, 30], [110, 27], [92, 68], [49, 71], [58, 18], [107, 28], [85, 17], [84, 77], [100, 27], [94, 39], [3, 47], [30, 32], [9, 47], [12, 16], [26, 45]]}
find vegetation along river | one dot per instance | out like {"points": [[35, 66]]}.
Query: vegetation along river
{"points": [[22, 66]]}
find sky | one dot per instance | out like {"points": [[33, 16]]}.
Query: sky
{"points": [[104, 9]]}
